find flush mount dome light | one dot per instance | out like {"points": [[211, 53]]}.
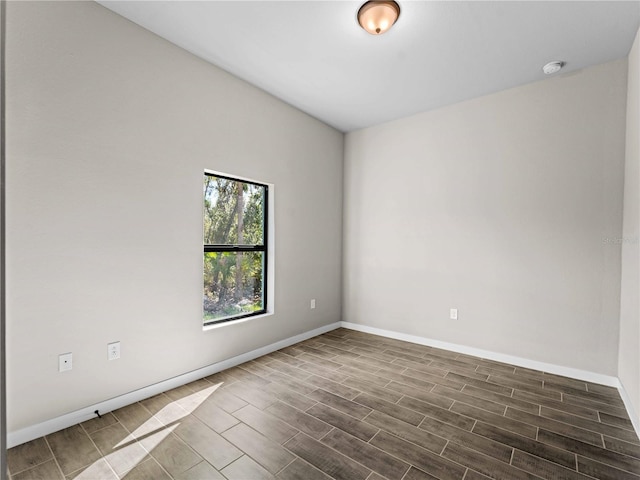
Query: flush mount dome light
{"points": [[553, 67], [378, 16]]}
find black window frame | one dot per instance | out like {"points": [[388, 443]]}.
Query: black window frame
{"points": [[246, 248]]}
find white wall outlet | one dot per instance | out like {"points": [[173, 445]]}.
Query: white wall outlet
{"points": [[313, 303], [65, 362], [113, 351], [453, 314]]}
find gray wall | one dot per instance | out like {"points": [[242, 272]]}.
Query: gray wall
{"points": [[506, 207], [109, 131], [629, 356], [3, 410]]}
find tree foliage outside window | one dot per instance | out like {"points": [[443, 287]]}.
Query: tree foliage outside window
{"points": [[235, 253]]}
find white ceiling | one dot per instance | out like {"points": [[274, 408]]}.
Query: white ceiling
{"points": [[314, 55]]}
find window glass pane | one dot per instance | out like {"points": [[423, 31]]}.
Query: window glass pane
{"points": [[233, 212], [233, 284]]}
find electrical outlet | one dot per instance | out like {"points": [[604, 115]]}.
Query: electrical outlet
{"points": [[113, 351], [65, 362], [453, 314], [313, 303]]}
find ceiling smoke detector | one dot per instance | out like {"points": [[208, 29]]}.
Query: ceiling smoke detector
{"points": [[553, 67]]}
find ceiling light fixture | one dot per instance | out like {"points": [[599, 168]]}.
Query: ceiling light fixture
{"points": [[553, 67], [378, 16]]}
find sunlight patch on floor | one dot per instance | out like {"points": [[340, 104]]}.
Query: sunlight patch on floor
{"points": [[136, 446]]}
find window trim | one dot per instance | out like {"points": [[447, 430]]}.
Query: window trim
{"points": [[245, 248]]}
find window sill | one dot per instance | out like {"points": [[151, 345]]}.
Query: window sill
{"points": [[216, 326]]}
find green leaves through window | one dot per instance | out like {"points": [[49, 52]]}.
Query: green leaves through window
{"points": [[235, 248]]}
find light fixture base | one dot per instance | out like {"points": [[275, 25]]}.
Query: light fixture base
{"points": [[378, 16]]}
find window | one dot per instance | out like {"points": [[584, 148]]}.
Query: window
{"points": [[235, 248]]}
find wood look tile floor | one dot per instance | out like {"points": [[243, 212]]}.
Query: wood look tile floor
{"points": [[352, 406]]}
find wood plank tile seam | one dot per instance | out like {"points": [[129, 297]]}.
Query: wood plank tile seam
{"points": [[348, 405]]}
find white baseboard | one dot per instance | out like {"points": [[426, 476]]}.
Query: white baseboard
{"points": [[53, 425], [633, 415], [73, 418], [578, 374], [486, 354]]}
